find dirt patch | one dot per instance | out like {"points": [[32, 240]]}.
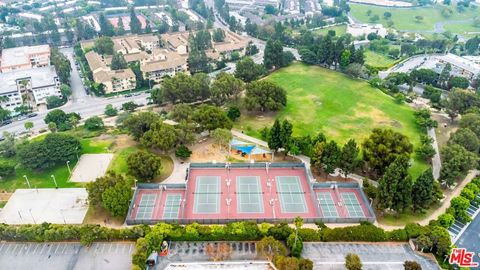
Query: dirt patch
{"points": [[123, 141], [207, 152], [373, 113]]}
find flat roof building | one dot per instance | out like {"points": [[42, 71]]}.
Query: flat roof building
{"points": [[26, 57]]}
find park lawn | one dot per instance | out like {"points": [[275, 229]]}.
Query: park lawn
{"points": [[404, 18], [339, 30], [119, 163], [322, 100], [465, 29], [43, 179], [378, 60], [405, 218]]}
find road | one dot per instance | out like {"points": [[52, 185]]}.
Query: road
{"points": [[79, 95], [470, 237]]}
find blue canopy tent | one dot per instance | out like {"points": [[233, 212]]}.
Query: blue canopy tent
{"points": [[248, 148]]}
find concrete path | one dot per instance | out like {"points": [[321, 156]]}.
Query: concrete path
{"points": [[179, 172], [436, 162]]}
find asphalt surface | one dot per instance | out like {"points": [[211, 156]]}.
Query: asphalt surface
{"points": [[470, 239], [66, 256], [375, 256]]}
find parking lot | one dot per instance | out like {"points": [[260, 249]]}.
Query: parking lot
{"points": [[66, 256], [470, 238], [378, 256]]}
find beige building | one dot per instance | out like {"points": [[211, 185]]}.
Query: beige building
{"points": [[177, 42], [163, 63], [26, 57], [113, 80]]}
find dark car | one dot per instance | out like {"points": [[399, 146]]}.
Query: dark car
{"points": [[6, 122], [32, 115]]}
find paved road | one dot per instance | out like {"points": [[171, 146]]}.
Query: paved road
{"points": [[66, 256], [331, 256], [79, 95]]}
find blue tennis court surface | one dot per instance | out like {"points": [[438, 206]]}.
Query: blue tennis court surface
{"points": [[146, 206], [249, 195], [327, 205], [352, 204], [172, 206], [207, 195], [291, 194]]}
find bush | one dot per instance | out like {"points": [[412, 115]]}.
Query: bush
{"points": [[309, 235], [296, 246], [364, 232], [94, 123], [183, 152], [6, 169], [144, 165], [280, 231], [397, 235], [353, 262], [412, 265], [110, 110], [54, 102]]}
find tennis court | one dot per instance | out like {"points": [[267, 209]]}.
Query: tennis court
{"points": [[327, 205], [207, 195], [291, 195], [249, 195], [352, 204], [172, 206], [146, 206]]}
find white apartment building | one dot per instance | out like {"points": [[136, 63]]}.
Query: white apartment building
{"points": [[25, 57], [30, 86]]}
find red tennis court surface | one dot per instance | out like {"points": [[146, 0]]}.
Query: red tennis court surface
{"points": [[220, 193]]}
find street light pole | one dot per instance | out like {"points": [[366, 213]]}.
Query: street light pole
{"points": [[54, 180], [68, 167], [28, 182]]}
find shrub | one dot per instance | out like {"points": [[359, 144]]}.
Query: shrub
{"points": [[353, 262], [364, 232], [412, 265], [295, 244], [6, 169], [280, 231], [183, 152], [309, 235], [397, 235], [94, 123]]}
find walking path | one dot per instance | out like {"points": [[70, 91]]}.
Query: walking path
{"points": [[444, 205], [436, 162]]}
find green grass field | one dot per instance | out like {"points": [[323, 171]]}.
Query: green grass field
{"points": [[321, 100], [339, 30], [378, 60], [43, 179], [404, 18]]}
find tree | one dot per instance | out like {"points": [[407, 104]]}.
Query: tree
{"points": [[348, 160], [139, 123], [62, 120], [161, 136], [198, 61], [345, 59], [211, 117], [286, 135], [459, 101], [395, 186], [273, 54], [110, 110], [353, 262], [52, 127], [384, 146], [106, 28], [28, 125], [247, 70], [233, 113], [118, 62], [222, 137], [56, 148], [356, 70], [120, 27], [6, 169], [466, 138], [412, 265], [62, 65], [218, 35], [135, 25], [445, 75], [129, 106], [330, 157], [97, 188], [54, 102], [65, 90], [423, 190], [275, 136], [387, 15], [458, 82], [144, 165], [7, 146], [268, 247], [185, 89], [224, 88], [116, 199], [418, 18], [456, 162], [265, 95], [103, 46], [183, 152], [94, 123]]}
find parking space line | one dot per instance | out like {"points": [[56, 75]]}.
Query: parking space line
{"points": [[1, 247], [14, 251], [63, 251], [43, 247], [8, 247], [130, 249], [35, 249], [57, 246], [103, 247], [30, 248]]}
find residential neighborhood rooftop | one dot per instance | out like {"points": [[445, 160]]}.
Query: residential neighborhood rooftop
{"points": [[40, 77]]}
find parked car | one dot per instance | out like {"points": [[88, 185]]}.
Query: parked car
{"points": [[32, 115]]}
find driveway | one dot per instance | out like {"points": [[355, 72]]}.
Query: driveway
{"points": [[381, 256], [66, 256]]}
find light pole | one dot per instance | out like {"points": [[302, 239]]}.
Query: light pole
{"points": [[26, 179], [54, 180], [76, 153], [68, 167]]}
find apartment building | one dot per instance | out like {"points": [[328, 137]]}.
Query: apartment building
{"points": [[163, 63], [113, 80], [29, 86], [27, 57]]}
